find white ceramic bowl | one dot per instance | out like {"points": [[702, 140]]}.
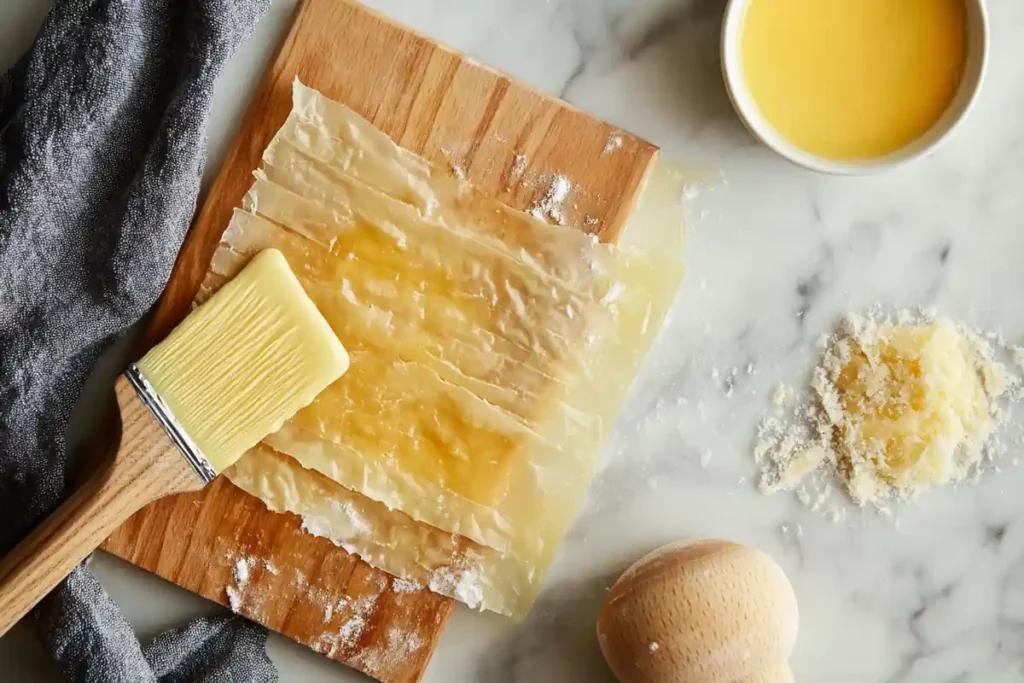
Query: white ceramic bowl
{"points": [[746, 107]]}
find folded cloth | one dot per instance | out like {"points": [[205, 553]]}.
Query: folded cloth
{"points": [[102, 143]]}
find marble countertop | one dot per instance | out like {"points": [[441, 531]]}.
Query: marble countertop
{"points": [[775, 255]]}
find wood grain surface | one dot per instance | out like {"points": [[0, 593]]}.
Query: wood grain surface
{"points": [[455, 112]]}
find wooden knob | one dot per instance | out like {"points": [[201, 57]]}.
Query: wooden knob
{"points": [[702, 612]]}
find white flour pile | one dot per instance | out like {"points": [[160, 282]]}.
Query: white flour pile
{"points": [[897, 406]]}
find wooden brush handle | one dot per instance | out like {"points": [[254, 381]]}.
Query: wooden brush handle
{"points": [[147, 466]]}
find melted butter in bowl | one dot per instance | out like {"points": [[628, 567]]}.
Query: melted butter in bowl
{"points": [[852, 86]]}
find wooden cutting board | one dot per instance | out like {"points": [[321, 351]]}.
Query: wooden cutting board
{"points": [[510, 141]]}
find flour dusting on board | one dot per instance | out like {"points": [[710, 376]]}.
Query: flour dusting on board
{"points": [[347, 620], [614, 143], [240, 573], [355, 617], [400, 645], [405, 586], [234, 598], [551, 205], [241, 570], [457, 169], [519, 164]]}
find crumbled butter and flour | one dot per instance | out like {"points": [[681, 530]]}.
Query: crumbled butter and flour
{"points": [[897, 406]]}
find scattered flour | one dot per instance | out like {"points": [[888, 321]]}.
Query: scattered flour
{"points": [[461, 584], [350, 618], [241, 570], [453, 162], [614, 142], [405, 586], [792, 530], [783, 396], [400, 645], [352, 629], [519, 165], [355, 616], [234, 598], [552, 203], [1017, 355], [240, 573]]}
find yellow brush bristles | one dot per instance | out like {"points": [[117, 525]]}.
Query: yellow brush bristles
{"points": [[245, 361]]}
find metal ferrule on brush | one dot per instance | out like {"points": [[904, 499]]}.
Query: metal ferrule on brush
{"points": [[174, 430]]}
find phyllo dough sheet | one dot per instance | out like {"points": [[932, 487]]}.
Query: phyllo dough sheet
{"points": [[490, 353]]}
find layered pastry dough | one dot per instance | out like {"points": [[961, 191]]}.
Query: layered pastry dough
{"points": [[490, 353]]}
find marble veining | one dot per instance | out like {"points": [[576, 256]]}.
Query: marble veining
{"points": [[776, 254]]}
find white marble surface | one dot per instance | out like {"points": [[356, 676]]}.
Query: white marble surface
{"points": [[775, 254]]}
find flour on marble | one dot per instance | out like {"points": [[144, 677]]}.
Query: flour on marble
{"points": [[783, 396], [1017, 356], [792, 530], [819, 448], [727, 380]]}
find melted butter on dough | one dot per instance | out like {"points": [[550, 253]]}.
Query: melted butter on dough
{"points": [[387, 539], [490, 353]]}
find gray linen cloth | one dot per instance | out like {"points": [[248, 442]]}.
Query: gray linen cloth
{"points": [[102, 143]]}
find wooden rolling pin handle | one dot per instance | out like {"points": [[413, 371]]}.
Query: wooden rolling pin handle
{"points": [[147, 466], [780, 673]]}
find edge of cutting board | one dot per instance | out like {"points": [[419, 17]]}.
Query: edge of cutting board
{"points": [[424, 96]]}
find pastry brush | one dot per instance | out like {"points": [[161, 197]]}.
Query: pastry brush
{"points": [[239, 366]]}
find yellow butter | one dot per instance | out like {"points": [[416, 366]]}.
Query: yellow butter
{"points": [[853, 79], [245, 361]]}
